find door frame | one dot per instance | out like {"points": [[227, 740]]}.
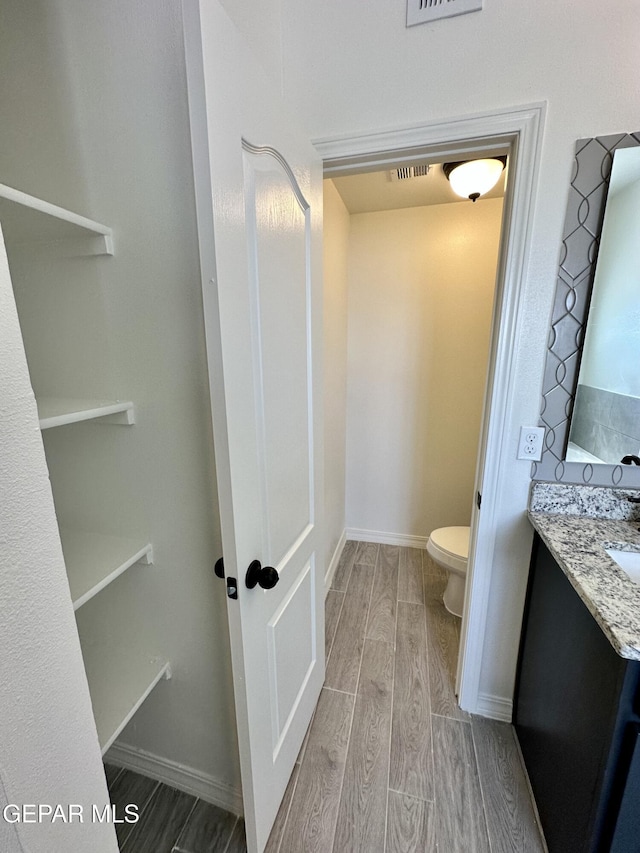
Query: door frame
{"points": [[518, 132]]}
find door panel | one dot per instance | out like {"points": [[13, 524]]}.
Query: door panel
{"points": [[259, 191], [281, 628], [278, 242], [291, 664]]}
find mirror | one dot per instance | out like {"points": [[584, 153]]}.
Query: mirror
{"points": [[605, 423]]}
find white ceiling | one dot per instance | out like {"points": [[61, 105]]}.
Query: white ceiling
{"points": [[373, 191]]}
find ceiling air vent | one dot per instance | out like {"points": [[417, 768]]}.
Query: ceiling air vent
{"points": [[406, 172], [421, 11]]}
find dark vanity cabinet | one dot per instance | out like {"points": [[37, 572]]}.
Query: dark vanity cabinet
{"points": [[577, 717]]}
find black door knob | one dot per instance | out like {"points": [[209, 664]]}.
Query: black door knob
{"points": [[219, 568], [267, 577]]}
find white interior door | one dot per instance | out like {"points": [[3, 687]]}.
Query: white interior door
{"points": [[262, 305]]}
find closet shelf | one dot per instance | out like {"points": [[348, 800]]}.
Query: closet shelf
{"points": [[94, 560], [27, 219], [118, 685], [54, 412]]}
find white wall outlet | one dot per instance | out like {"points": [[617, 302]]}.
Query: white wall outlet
{"points": [[530, 444]]}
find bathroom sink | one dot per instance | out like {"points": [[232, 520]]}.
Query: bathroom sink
{"points": [[629, 562]]}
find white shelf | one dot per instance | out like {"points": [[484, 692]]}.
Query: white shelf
{"points": [[54, 412], [118, 685], [94, 560], [27, 219]]}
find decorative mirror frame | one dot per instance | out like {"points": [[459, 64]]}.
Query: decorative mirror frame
{"points": [[578, 255]]}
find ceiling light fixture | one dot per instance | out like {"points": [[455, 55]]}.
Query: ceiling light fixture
{"points": [[473, 178]]}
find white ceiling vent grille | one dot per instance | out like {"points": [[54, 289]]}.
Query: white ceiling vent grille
{"points": [[405, 172], [421, 11]]}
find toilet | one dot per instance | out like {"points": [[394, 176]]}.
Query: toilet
{"points": [[449, 548]]}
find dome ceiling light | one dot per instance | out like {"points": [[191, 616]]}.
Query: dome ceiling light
{"points": [[473, 178]]}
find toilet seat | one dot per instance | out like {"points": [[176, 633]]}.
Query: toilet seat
{"points": [[450, 547]]}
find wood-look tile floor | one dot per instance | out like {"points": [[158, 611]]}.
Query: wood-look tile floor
{"points": [[390, 763], [170, 821]]}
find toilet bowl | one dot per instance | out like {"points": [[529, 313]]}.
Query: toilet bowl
{"points": [[449, 548]]}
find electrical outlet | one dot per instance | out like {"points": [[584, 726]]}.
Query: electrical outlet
{"points": [[530, 444]]}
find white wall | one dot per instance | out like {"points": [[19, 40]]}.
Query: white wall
{"points": [[120, 153], [345, 70], [262, 26], [375, 74], [421, 287], [35, 97], [612, 341], [335, 262], [348, 70], [44, 691]]}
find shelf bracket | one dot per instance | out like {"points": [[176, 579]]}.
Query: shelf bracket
{"points": [[126, 418], [147, 557]]}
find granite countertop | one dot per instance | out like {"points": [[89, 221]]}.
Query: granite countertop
{"points": [[577, 523]]}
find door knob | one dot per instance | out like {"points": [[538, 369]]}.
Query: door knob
{"points": [[266, 576], [219, 568]]}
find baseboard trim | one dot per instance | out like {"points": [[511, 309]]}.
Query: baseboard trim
{"points": [[494, 707], [176, 775], [387, 538], [333, 565]]}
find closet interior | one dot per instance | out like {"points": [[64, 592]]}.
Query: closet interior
{"points": [[46, 242], [97, 213]]}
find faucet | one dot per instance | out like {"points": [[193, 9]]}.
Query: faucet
{"points": [[631, 458]]}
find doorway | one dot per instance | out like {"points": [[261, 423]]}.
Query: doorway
{"points": [[516, 133], [420, 296], [413, 267]]}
